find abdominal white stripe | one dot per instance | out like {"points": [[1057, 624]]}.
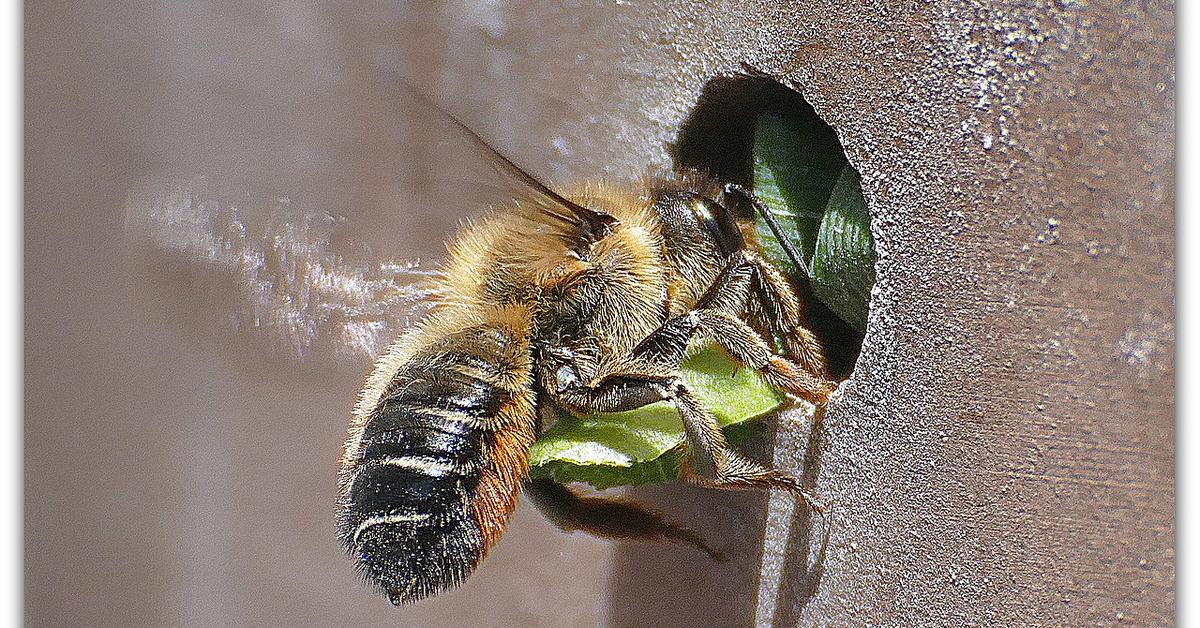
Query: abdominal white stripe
{"points": [[423, 464], [449, 414], [458, 416], [399, 517]]}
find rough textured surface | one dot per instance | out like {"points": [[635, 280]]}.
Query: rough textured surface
{"points": [[1003, 452]]}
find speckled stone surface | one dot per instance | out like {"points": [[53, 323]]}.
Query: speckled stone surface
{"points": [[1003, 453]]}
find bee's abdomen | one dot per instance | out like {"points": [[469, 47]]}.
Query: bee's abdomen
{"points": [[408, 511]]}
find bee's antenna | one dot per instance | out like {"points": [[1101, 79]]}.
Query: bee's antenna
{"points": [[765, 212]]}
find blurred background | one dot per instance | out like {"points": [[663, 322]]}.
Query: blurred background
{"points": [[1003, 453], [180, 472]]}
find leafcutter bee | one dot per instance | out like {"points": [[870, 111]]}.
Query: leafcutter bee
{"points": [[584, 300]]}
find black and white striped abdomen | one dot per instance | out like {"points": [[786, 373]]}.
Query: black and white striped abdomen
{"points": [[407, 514]]}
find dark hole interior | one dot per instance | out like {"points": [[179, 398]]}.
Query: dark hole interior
{"points": [[718, 137]]}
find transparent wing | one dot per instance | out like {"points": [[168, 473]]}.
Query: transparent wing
{"points": [[578, 225], [275, 268]]}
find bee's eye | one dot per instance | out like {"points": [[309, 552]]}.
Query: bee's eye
{"points": [[719, 223]]}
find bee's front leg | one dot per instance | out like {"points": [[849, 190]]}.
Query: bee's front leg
{"points": [[785, 312], [786, 318], [716, 316]]}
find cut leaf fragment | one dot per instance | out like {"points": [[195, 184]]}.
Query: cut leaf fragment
{"points": [[843, 268], [796, 165], [814, 193], [628, 447]]}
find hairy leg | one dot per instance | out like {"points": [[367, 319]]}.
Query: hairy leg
{"points": [[707, 459], [651, 374], [777, 295], [787, 320], [716, 317]]}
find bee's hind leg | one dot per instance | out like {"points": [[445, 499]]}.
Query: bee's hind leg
{"points": [[609, 517]]}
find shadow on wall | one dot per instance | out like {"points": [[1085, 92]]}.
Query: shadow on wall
{"points": [[668, 585]]}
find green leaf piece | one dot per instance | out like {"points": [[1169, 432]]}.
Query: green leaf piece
{"points": [[796, 164], [843, 269], [628, 448], [803, 177]]}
